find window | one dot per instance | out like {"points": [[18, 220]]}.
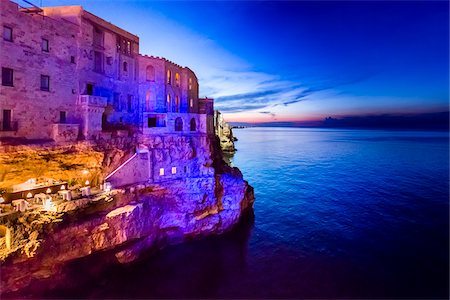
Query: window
{"points": [[174, 170], [7, 77], [45, 83], [151, 121], [89, 89], [44, 45], [7, 33], [72, 59], [190, 83], [125, 66], [161, 172], [169, 77], [98, 37], [128, 47], [178, 124], [177, 104], [191, 102], [7, 120], [168, 102], [62, 117], [193, 124], [185, 169], [123, 45], [150, 73], [130, 103], [98, 61], [177, 79]]}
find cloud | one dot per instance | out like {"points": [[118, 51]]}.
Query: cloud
{"points": [[268, 113]]}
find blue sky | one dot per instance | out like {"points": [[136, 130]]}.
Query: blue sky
{"points": [[297, 60]]}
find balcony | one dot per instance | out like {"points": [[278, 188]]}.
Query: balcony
{"points": [[8, 126], [92, 101]]}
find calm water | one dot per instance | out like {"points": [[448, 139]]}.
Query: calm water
{"points": [[338, 213]]}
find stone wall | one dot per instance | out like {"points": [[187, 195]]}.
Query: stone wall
{"points": [[36, 110], [158, 94], [210, 198]]}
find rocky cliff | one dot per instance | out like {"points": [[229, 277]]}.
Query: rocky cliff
{"points": [[134, 221]]}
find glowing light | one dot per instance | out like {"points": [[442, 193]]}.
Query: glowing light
{"points": [[2, 199], [63, 187], [48, 205], [161, 171], [107, 186], [29, 195], [174, 170], [49, 191], [86, 182], [85, 172]]}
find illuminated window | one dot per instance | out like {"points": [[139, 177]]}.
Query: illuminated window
{"points": [[177, 79], [191, 102], [177, 104], [169, 77], [174, 170], [161, 172], [168, 102], [190, 83]]}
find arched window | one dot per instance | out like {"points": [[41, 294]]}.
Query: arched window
{"points": [[177, 79], [178, 124], [169, 77], [177, 104], [168, 103], [193, 125], [150, 73], [125, 66], [190, 83]]}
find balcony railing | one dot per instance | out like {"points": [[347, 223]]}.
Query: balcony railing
{"points": [[89, 100], [8, 126]]}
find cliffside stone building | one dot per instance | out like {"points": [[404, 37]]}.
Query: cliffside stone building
{"points": [[68, 74]]}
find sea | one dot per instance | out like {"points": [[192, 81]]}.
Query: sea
{"points": [[338, 214]]}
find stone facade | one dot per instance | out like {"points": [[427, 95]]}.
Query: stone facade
{"points": [[69, 66], [170, 98], [31, 109]]}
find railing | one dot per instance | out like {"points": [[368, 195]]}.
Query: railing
{"points": [[92, 100], [9, 126]]}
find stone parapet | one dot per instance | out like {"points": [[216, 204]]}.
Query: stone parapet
{"points": [[65, 132], [92, 101]]}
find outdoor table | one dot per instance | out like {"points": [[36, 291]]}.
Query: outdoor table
{"points": [[66, 195], [85, 191]]}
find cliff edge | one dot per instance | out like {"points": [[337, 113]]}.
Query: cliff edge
{"points": [[131, 221]]}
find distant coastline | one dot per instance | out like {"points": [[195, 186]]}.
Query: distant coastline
{"points": [[427, 121]]}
